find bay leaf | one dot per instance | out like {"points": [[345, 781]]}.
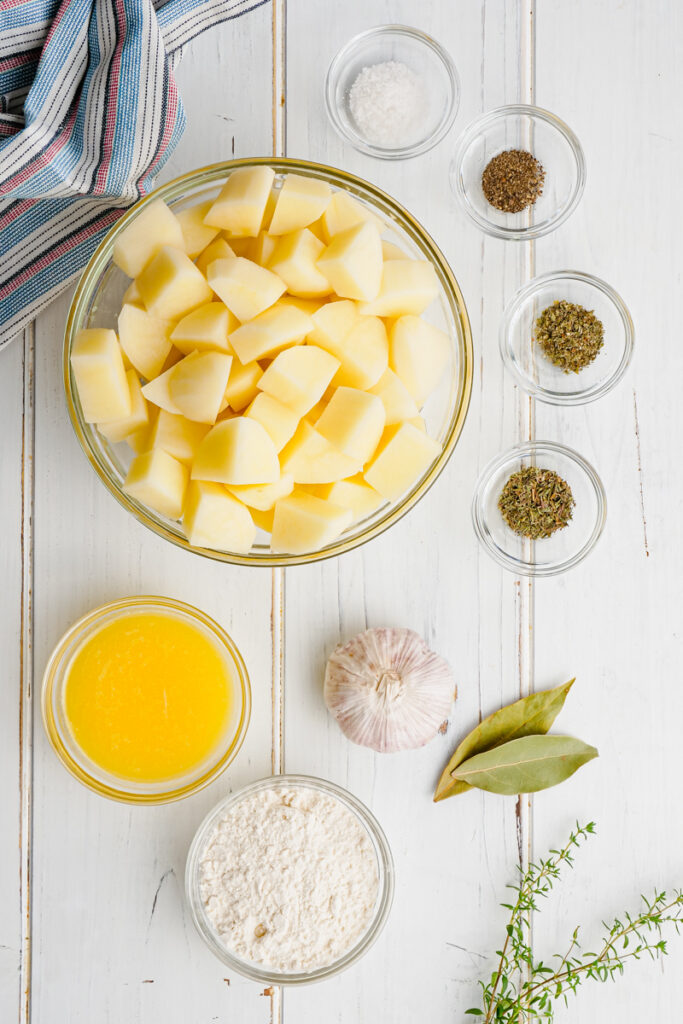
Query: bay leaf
{"points": [[528, 716], [525, 765]]}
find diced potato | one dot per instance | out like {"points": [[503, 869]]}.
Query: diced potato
{"points": [[419, 353], [219, 249], [242, 386], [101, 383], [153, 227], [403, 456], [173, 357], [311, 459], [392, 252], [314, 414], [241, 203], [269, 332], [333, 322], [171, 285], [352, 262], [215, 519], [418, 421], [205, 328], [304, 523], [196, 234], [264, 496], [408, 286], [139, 441], [158, 480], [398, 402], [342, 212], [245, 288], [145, 339], [353, 422], [177, 435], [263, 520], [137, 419], [279, 421], [294, 260], [318, 230], [354, 494], [309, 306], [132, 295], [197, 385], [157, 391], [237, 451], [262, 248], [364, 354], [269, 210], [301, 201], [241, 246], [298, 377]]}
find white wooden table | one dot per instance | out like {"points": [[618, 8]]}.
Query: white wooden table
{"points": [[93, 927]]}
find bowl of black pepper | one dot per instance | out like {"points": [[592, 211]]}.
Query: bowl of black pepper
{"points": [[539, 508], [567, 338], [518, 172]]}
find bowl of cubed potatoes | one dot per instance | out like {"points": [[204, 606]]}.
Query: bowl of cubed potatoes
{"points": [[268, 361]]}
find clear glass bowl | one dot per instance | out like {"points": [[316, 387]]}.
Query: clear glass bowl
{"points": [[385, 868], [98, 300], [566, 547], [89, 773], [550, 140], [525, 360], [421, 54]]}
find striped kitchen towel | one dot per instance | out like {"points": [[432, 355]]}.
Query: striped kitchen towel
{"points": [[89, 114]]}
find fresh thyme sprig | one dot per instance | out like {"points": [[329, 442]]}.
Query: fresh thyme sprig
{"points": [[522, 989]]}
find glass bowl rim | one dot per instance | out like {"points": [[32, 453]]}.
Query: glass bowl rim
{"points": [[385, 865], [511, 455], [115, 788], [208, 175], [589, 394], [475, 128], [337, 65]]}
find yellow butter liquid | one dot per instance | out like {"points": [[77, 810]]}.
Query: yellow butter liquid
{"points": [[148, 697]]}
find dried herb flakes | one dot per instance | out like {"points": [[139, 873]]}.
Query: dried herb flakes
{"points": [[513, 180], [569, 335], [536, 502]]}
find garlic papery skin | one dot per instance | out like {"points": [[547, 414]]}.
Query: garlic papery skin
{"points": [[387, 690]]}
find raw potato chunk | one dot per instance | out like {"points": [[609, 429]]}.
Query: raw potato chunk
{"points": [[311, 459], [237, 451], [242, 385], [354, 494], [392, 252], [196, 234], [299, 377], [364, 354], [262, 248], [205, 328], [241, 246], [132, 295], [408, 286], [157, 391], [197, 385], [398, 402], [352, 262], [245, 288], [101, 383], [309, 306], [219, 249], [139, 441], [332, 324], [158, 480], [269, 332], [419, 354], [241, 203], [154, 227], [279, 421], [303, 523], [263, 520], [343, 211], [137, 419], [300, 202], [353, 422], [214, 519], [294, 260], [264, 496], [178, 436], [403, 456], [145, 340], [171, 285]]}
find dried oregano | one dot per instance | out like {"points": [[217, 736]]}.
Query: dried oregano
{"points": [[569, 335], [536, 502]]}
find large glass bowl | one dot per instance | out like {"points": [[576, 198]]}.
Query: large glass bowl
{"points": [[98, 300]]}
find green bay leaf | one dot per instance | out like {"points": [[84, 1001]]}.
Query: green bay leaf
{"points": [[525, 765], [529, 716]]}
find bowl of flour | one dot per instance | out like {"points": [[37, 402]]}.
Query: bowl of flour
{"points": [[290, 880]]}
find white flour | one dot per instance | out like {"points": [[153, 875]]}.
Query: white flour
{"points": [[388, 104], [289, 879]]}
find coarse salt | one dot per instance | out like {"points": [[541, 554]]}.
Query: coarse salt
{"points": [[388, 104]]}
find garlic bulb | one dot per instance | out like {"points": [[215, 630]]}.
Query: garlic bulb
{"points": [[387, 690]]}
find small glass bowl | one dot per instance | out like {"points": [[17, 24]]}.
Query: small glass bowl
{"points": [[566, 547], [92, 775], [385, 890], [534, 373], [551, 142], [419, 52]]}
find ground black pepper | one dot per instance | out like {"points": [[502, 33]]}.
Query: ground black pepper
{"points": [[513, 180]]}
